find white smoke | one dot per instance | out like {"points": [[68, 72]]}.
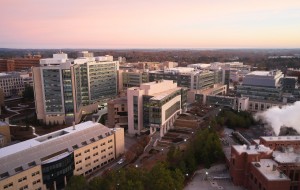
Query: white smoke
{"points": [[276, 117]]}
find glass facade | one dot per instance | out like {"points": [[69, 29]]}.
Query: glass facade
{"points": [[84, 86], [135, 113], [57, 170], [171, 110], [259, 92], [52, 88], [77, 82], [102, 81], [67, 88], [146, 110], [201, 80]]}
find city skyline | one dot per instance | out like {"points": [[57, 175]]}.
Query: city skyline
{"points": [[155, 24]]}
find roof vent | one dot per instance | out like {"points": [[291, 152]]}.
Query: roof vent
{"points": [[257, 165], [74, 125], [256, 147], [281, 174], [274, 167]]}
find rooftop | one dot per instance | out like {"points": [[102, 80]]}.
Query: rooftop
{"points": [[252, 149], [265, 167], [162, 95], [261, 73], [281, 138], [33, 150], [289, 156], [122, 100], [2, 123]]}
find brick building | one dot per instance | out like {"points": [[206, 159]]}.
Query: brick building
{"points": [[273, 163]]}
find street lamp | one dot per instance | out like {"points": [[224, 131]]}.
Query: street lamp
{"points": [[206, 175], [136, 166], [184, 140]]}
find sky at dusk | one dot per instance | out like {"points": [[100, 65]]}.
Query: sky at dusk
{"points": [[150, 24]]}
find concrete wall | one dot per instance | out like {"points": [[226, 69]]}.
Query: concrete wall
{"points": [[32, 179], [38, 94], [5, 131], [119, 142], [94, 156]]}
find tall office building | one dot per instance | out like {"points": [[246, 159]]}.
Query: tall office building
{"points": [[66, 88], [154, 106]]}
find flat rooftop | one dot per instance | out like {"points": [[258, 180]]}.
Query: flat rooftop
{"points": [[280, 138], [162, 95], [122, 100], [261, 73], [208, 91], [265, 167], [33, 150], [252, 149], [286, 157]]}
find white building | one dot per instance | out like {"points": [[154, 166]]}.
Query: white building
{"points": [[66, 88], [12, 84], [154, 105]]}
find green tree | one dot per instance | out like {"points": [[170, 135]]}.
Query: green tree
{"points": [[160, 178], [77, 183]]}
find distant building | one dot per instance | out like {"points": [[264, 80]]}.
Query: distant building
{"points": [[132, 78], [85, 54], [263, 85], [122, 59], [12, 84], [19, 64], [154, 106], [188, 77], [48, 161], [66, 88]]}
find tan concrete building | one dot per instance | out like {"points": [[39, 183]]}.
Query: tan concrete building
{"points": [[117, 113], [5, 137], [154, 106], [48, 161]]}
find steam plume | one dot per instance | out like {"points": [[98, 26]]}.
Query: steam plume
{"points": [[288, 116]]}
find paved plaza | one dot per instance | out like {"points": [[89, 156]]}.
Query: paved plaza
{"points": [[214, 178]]}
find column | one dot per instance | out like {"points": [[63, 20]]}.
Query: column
{"points": [[65, 179], [54, 185], [161, 132]]}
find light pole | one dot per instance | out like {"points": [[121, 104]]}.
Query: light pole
{"points": [[206, 175]]}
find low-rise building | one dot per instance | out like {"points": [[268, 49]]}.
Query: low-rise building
{"points": [[271, 164], [48, 161]]}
